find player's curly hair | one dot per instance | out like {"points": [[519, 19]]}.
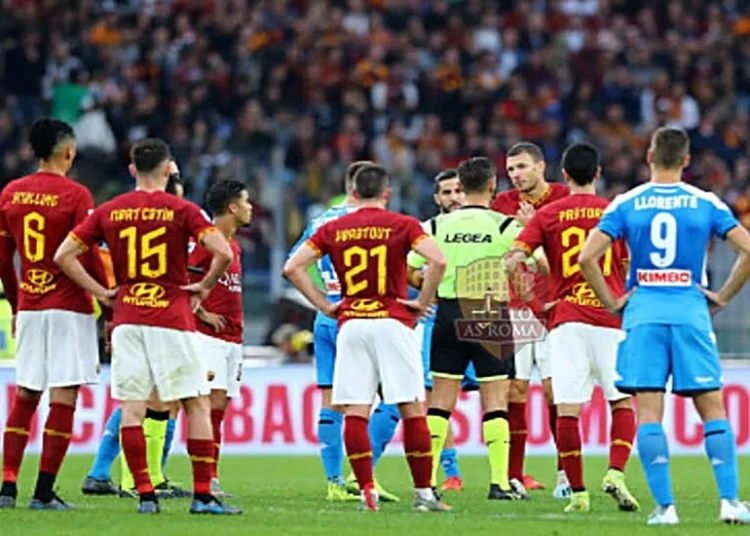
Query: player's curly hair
{"points": [[222, 194], [47, 134]]}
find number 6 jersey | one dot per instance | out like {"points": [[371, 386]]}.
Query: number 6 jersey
{"points": [[667, 228], [148, 235], [36, 213]]}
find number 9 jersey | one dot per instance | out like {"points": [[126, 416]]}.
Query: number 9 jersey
{"points": [[667, 228], [148, 235]]}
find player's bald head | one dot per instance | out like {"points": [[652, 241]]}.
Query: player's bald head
{"points": [[670, 149], [371, 182]]}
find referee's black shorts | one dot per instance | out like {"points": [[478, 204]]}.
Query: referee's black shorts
{"points": [[450, 355]]}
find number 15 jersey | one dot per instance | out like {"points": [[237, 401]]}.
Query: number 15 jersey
{"points": [[148, 235], [667, 228]]}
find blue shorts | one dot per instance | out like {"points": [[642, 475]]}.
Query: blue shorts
{"points": [[324, 340], [651, 353], [469, 383]]}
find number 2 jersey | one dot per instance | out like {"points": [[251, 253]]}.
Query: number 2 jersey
{"points": [[148, 235], [37, 212], [667, 228], [561, 228], [368, 250]]}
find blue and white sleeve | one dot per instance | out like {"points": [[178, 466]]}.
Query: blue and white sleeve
{"points": [[302, 239], [612, 222], [722, 219]]}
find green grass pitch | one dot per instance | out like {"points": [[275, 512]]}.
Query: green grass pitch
{"points": [[286, 495]]}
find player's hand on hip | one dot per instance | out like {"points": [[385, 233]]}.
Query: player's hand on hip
{"points": [[107, 298], [331, 310], [716, 302], [212, 319], [549, 306], [525, 212], [619, 305], [416, 307], [198, 292]]}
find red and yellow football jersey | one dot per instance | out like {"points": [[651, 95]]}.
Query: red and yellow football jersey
{"points": [[226, 297], [509, 201], [147, 234], [368, 249], [561, 229], [37, 212]]}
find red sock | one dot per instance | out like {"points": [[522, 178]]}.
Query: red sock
{"points": [[569, 449], [17, 435], [518, 433], [217, 417], [418, 447], [201, 453], [358, 449], [134, 449], [552, 414], [621, 436], [57, 433]]}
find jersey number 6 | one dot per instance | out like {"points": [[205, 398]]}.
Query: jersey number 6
{"points": [[357, 259], [33, 237]]}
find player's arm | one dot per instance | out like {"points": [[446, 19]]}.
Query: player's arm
{"points": [[596, 246], [223, 255], [8, 269], [739, 240], [295, 270], [428, 249], [78, 242]]}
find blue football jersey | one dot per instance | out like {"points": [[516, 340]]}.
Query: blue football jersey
{"points": [[325, 266], [667, 228]]}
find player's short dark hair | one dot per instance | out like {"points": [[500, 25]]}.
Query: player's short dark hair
{"points": [[445, 175], [46, 134], [581, 162], [526, 147], [669, 147], [371, 181], [352, 170], [149, 154], [476, 173], [222, 194]]}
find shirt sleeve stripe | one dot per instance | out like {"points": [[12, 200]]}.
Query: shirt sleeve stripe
{"points": [[418, 241], [315, 248], [81, 244], [204, 232], [505, 224], [522, 245]]}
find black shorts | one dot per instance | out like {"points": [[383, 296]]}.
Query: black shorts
{"points": [[451, 353]]}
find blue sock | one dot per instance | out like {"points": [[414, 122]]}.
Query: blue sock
{"points": [[331, 442], [109, 448], [449, 461], [383, 423], [722, 452], [654, 454], [171, 424]]}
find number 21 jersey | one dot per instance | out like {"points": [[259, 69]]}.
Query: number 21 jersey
{"points": [[368, 249], [667, 228], [37, 212], [148, 235]]}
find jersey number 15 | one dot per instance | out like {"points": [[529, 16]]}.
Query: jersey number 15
{"points": [[153, 257]]}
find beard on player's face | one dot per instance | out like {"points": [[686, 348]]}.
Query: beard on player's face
{"points": [[450, 206]]}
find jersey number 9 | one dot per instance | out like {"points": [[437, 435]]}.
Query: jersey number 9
{"points": [[573, 239], [663, 238], [153, 257], [357, 260], [33, 237]]}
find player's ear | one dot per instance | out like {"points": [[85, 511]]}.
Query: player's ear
{"points": [[686, 161], [493, 185], [649, 156], [542, 166], [387, 194], [355, 194], [566, 177], [598, 173], [131, 170]]}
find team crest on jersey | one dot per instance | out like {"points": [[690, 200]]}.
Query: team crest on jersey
{"points": [[483, 291], [38, 281], [146, 295]]}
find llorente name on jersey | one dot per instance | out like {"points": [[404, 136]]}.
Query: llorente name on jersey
{"points": [[671, 202]]}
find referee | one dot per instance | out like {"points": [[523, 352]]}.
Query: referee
{"points": [[474, 240]]}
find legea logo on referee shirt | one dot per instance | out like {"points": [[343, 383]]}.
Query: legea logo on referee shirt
{"points": [[146, 295], [484, 295]]}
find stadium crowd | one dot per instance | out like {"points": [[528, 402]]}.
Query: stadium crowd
{"points": [[283, 94]]}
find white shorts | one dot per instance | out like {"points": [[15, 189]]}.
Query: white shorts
{"points": [[584, 354], [144, 357], [534, 353], [55, 348], [223, 360], [381, 351]]}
